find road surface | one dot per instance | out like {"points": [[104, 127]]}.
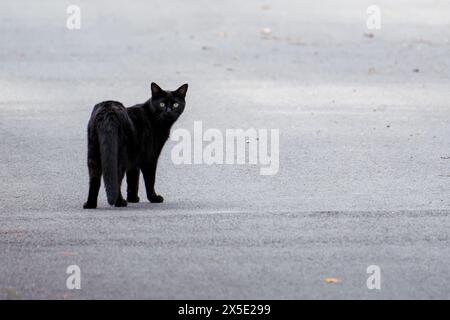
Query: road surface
{"points": [[364, 174]]}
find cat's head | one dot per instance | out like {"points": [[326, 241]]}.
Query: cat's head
{"points": [[167, 106]]}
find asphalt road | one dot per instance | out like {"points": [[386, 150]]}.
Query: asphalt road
{"points": [[364, 171]]}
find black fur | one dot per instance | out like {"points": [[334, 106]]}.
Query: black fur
{"points": [[129, 140]]}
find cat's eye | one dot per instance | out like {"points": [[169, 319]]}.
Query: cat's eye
{"points": [[162, 104], [175, 105]]}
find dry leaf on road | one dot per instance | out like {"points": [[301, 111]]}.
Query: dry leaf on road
{"points": [[266, 31], [332, 280]]}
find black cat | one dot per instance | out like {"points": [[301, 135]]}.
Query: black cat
{"points": [[130, 140]]}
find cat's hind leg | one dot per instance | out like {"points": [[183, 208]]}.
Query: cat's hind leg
{"points": [[121, 202], [133, 185], [95, 172]]}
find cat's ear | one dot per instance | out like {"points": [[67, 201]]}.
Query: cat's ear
{"points": [[156, 90], [181, 91]]}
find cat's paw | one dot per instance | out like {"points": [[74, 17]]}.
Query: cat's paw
{"points": [[121, 203], [156, 199], [133, 199], [88, 205]]}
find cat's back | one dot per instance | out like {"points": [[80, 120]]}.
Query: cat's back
{"points": [[111, 111], [137, 111], [107, 108], [139, 117]]}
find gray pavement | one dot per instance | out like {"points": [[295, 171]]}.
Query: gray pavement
{"points": [[364, 172]]}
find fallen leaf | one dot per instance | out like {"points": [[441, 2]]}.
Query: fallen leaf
{"points": [[10, 293], [371, 71], [13, 232], [223, 34], [266, 31], [332, 280], [69, 254]]}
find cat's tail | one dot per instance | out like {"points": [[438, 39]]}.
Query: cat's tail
{"points": [[108, 135]]}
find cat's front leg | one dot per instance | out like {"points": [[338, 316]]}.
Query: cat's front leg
{"points": [[149, 174]]}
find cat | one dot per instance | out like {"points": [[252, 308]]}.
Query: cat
{"points": [[129, 140]]}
